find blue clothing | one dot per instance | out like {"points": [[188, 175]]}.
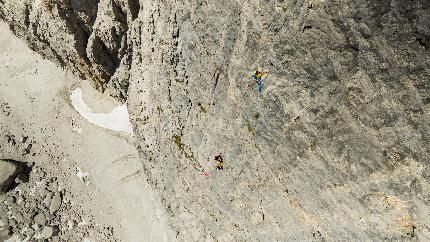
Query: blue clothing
{"points": [[260, 86], [259, 83]]}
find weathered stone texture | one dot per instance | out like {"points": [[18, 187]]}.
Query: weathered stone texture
{"points": [[87, 36], [336, 148]]}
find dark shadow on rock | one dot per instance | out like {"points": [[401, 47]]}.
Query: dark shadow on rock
{"points": [[21, 174]]}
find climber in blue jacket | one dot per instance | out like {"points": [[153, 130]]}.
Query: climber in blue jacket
{"points": [[258, 77]]}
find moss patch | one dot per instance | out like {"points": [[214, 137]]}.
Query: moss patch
{"points": [[250, 128], [202, 109], [182, 147], [177, 139]]}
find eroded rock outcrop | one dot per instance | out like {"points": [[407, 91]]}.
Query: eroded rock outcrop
{"points": [[9, 172], [335, 148], [88, 37]]}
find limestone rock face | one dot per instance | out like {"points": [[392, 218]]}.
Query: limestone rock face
{"points": [[85, 36], [337, 145], [335, 148]]}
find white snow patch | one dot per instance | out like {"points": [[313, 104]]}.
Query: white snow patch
{"points": [[117, 119]]}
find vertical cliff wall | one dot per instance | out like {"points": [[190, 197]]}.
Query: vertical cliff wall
{"points": [[337, 145], [87, 36], [335, 148]]}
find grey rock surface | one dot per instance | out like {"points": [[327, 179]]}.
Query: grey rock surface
{"points": [[87, 37], [40, 219], [8, 173], [55, 203], [112, 203], [337, 146], [24, 216], [47, 232]]}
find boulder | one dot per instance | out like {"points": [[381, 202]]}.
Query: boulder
{"points": [[9, 170], [47, 232], [55, 203]]}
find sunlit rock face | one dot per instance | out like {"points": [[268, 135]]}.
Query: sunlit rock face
{"points": [[336, 147], [87, 36]]}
